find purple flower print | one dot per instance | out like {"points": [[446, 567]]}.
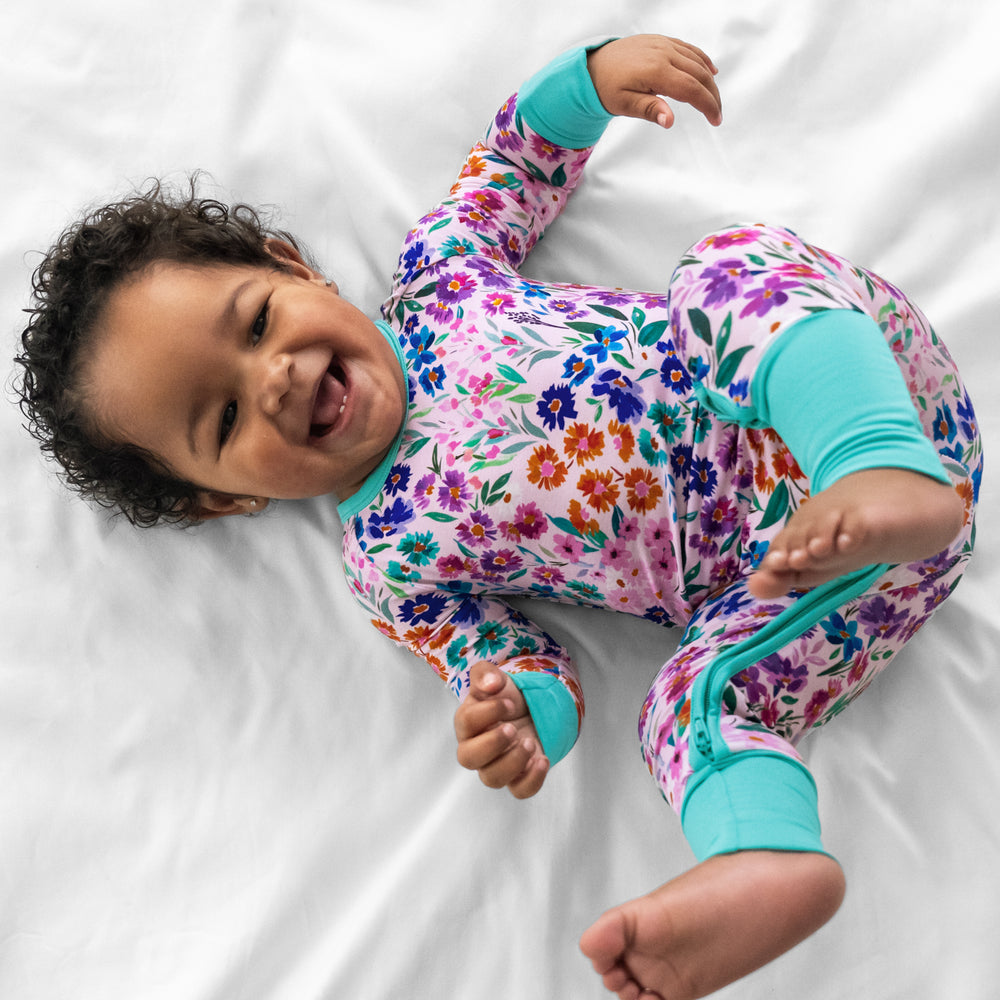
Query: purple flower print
{"points": [[478, 530], [454, 494], [726, 279], [455, 287], [719, 518], [502, 562], [880, 618], [749, 681], [760, 301]]}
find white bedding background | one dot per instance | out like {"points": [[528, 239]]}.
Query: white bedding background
{"points": [[217, 782]]}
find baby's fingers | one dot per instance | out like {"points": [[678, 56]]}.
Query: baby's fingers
{"points": [[475, 717], [499, 756]]}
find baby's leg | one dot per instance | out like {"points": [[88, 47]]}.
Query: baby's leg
{"points": [[716, 923], [762, 884], [872, 516]]}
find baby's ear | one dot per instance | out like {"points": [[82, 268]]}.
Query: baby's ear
{"points": [[209, 506]]}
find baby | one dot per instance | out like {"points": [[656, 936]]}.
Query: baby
{"points": [[776, 454]]}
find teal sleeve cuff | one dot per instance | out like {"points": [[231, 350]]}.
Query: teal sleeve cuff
{"points": [[831, 388], [553, 712], [752, 801], [560, 103]]}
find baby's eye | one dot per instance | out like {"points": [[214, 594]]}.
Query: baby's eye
{"points": [[259, 325], [227, 423]]}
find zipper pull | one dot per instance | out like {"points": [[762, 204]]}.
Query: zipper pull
{"points": [[702, 739]]}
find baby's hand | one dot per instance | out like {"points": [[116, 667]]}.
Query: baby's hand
{"points": [[496, 736], [629, 74]]}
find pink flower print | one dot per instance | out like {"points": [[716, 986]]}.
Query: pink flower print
{"points": [[548, 576], [568, 547], [616, 553], [498, 302], [721, 241], [628, 530], [530, 521], [820, 702], [545, 149], [657, 533]]}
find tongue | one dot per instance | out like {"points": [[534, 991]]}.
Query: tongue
{"points": [[329, 399]]}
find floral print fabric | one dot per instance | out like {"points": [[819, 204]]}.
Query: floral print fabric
{"points": [[555, 447]]}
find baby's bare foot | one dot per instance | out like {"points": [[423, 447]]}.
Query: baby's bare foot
{"points": [[873, 516], [714, 924]]}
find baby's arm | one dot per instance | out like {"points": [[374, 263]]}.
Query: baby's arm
{"points": [[496, 735]]}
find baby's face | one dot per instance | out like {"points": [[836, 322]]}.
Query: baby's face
{"points": [[247, 381]]}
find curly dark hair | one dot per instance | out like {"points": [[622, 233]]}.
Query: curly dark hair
{"points": [[70, 289]]}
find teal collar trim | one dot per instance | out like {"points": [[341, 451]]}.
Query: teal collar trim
{"points": [[372, 485]]}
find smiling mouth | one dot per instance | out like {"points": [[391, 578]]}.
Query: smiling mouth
{"points": [[331, 399]]}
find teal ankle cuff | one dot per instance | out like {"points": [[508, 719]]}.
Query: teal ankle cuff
{"points": [[752, 801]]}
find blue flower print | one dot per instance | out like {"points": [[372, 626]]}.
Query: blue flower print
{"points": [[704, 477], [391, 519], [605, 340], [673, 374], [420, 352], [842, 633], [432, 379], [944, 424], [577, 369], [968, 417], [414, 260], [556, 406], [397, 480], [623, 395], [424, 609]]}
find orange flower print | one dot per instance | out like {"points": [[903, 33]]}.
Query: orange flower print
{"points": [[545, 468], [785, 465], [601, 493], [622, 438], [474, 166], [586, 526], [642, 491], [583, 443]]}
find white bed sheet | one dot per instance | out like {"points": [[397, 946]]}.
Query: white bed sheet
{"points": [[217, 782]]}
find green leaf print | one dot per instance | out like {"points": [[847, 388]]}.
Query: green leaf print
{"points": [[559, 178], [588, 328], [511, 375], [493, 493], [651, 333], [777, 506], [610, 311], [724, 331], [638, 316], [701, 325], [728, 366]]}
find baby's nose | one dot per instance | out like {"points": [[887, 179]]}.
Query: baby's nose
{"points": [[277, 380]]}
